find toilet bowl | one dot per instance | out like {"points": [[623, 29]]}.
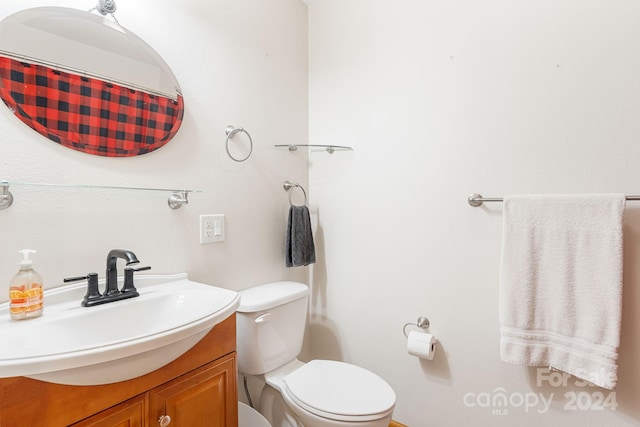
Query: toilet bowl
{"points": [[249, 417], [327, 393], [320, 393]]}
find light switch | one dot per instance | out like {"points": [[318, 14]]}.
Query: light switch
{"points": [[211, 228], [218, 225]]}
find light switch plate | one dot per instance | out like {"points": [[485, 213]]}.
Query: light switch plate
{"points": [[211, 228]]}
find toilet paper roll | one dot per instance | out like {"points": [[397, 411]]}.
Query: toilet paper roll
{"points": [[421, 344]]}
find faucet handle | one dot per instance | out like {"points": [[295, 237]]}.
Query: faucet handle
{"points": [[93, 293], [75, 279], [128, 279]]}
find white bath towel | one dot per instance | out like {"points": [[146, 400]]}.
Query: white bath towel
{"points": [[561, 283]]}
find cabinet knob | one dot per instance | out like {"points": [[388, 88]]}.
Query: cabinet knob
{"points": [[164, 421]]}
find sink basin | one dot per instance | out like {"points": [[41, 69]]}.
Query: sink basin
{"points": [[75, 345]]}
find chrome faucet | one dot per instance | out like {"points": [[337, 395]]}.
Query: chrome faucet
{"points": [[112, 271]]}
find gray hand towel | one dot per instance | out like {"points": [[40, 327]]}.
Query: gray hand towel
{"points": [[300, 250]]}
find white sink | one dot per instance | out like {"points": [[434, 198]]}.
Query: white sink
{"points": [[70, 344]]}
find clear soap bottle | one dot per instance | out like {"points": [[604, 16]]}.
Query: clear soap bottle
{"points": [[26, 296]]}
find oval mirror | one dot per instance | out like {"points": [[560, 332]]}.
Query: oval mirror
{"points": [[87, 83]]}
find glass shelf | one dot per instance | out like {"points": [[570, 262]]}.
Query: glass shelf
{"points": [[316, 147], [177, 198]]}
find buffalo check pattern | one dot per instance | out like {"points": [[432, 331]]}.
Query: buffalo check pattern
{"points": [[88, 114]]}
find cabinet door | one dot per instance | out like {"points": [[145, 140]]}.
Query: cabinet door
{"points": [[131, 413], [206, 397]]}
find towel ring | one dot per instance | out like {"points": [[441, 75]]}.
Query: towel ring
{"points": [[230, 131], [288, 186]]}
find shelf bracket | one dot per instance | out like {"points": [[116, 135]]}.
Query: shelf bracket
{"points": [[319, 147], [6, 198], [177, 199]]}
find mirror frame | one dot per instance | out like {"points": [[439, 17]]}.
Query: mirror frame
{"points": [[84, 53]]}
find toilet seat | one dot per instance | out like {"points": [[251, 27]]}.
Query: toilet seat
{"points": [[339, 391]]}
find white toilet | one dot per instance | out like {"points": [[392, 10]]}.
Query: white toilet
{"points": [[249, 417], [321, 393]]}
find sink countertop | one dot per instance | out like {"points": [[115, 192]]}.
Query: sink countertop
{"points": [[70, 342]]}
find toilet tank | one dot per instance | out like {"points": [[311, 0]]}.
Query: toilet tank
{"points": [[271, 320]]}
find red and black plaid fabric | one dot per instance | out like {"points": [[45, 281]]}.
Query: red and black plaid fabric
{"points": [[87, 114]]}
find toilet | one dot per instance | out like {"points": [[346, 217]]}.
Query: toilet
{"points": [[321, 393], [249, 417]]}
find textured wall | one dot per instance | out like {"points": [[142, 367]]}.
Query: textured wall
{"points": [[441, 100]]}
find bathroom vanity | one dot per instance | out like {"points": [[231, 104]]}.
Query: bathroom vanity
{"points": [[197, 389]]}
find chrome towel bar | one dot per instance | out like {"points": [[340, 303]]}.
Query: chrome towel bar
{"points": [[477, 200]]}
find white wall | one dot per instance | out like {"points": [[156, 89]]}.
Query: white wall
{"points": [[441, 100], [241, 62]]}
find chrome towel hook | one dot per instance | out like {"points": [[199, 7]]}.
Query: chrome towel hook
{"points": [[231, 130], [289, 186]]}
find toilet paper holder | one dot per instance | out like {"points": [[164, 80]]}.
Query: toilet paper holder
{"points": [[422, 323]]}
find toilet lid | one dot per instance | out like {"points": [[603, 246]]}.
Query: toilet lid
{"points": [[331, 388]]}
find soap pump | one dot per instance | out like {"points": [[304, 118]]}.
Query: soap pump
{"points": [[26, 296]]}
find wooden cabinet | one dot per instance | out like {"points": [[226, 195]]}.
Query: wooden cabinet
{"points": [[196, 390], [131, 413], [197, 400]]}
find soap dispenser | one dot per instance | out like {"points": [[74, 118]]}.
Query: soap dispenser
{"points": [[26, 296]]}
